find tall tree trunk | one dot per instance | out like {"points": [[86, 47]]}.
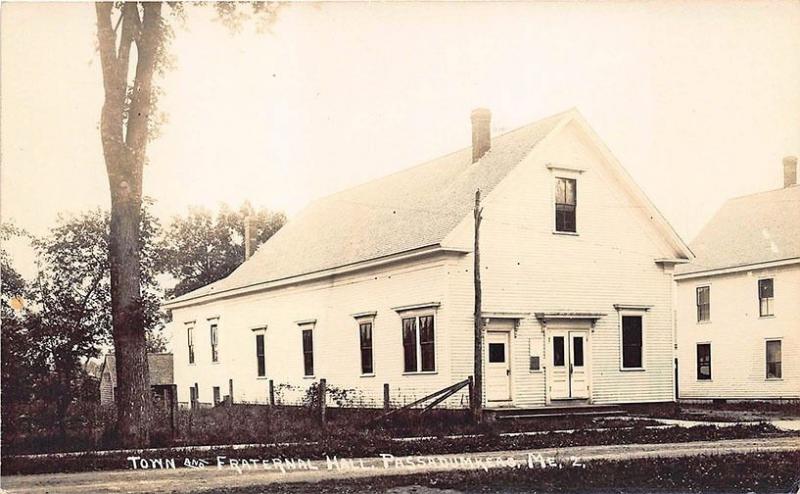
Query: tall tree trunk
{"points": [[133, 387], [124, 131]]}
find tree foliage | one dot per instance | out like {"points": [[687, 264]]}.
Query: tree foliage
{"points": [[133, 41], [201, 248]]}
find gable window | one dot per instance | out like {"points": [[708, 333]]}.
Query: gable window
{"points": [[261, 361], [632, 342], [214, 343], [216, 396], [365, 338], [566, 203], [703, 361], [774, 370], [308, 352], [190, 341], [703, 303], [419, 346], [766, 296]]}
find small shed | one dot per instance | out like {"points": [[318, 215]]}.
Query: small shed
{"points": [[161, 373]]}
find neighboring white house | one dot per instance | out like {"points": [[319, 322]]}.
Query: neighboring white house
{"points": [[374, 285], [739, 301]]}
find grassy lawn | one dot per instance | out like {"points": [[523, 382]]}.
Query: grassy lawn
{"points": [[371, 445], [744, 411], [757, 472]]}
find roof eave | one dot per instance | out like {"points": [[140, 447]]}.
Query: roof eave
{"points": [[316, 275], [737, 269]]}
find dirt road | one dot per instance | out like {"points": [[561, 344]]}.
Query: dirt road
{"points": [[268, 471]]}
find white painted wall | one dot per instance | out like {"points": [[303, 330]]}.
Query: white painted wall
{"points": [[737, 335], [527, 268], [336, 337]]}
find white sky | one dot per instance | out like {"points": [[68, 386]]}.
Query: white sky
{"points": [[699, 101]]}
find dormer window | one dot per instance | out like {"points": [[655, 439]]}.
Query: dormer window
{"points": [[566, 205]]}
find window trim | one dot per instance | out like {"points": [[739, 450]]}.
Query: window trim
{"points": [[556, 177], [417, 314], [697, 305], [262, 332], [366, 318], [772, 299], [190, 344], [766, 359], [710, 362], [307, 325], [213, 329], [635, 313]]}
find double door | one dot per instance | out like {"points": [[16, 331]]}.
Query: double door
{"points": [[568, 374]]}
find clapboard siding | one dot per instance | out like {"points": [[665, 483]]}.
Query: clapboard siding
{"points": [[527, 268], [336, 337], [737, 335]]}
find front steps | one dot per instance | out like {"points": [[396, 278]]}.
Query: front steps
{"points": [[556, 411]]}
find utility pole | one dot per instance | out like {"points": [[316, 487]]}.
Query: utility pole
{"points": [[477, 387]]}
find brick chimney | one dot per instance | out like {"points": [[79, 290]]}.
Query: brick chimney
{"points": [[481, 132], [249, 237], [789, 171]]}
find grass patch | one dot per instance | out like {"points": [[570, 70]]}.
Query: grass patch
{"points": [[755, 472], [734, 411], [364, 444]]}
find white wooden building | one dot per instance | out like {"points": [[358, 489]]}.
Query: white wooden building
{"points": [[374, 285], [739, 301]]}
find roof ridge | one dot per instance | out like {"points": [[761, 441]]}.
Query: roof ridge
{"points": [[443, 156], [745, 196]]}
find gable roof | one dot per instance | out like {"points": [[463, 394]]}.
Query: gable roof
{"points": [[159, 364], [747, 230], [408, 210]]}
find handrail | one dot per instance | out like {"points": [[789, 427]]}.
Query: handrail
{"points": [[440, 396]]}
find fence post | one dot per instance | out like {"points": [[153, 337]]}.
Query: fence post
{"points": [[323, 391], [271, 393], [386, 399], [471, 394], [230, 390], [173, 409]]}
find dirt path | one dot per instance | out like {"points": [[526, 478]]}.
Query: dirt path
{"points": [[183, 480]]}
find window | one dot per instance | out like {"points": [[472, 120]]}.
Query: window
{"points": [[308, 352], [419, 346], [261, 360], [703, 303], [216, 396], [365, 338], [577, 351], [190, 341], [558, 351], [774, 359], [632, 342], [194, 395], [497, 352], [766, 295], [703, 361], [566, 202], [214, 343]]}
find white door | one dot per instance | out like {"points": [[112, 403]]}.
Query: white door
{"points": [[578, 379], [569, 377], [559, 367], [498, 366]]}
